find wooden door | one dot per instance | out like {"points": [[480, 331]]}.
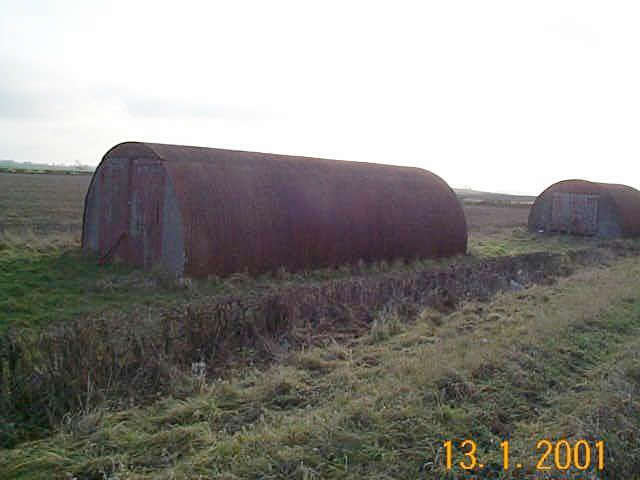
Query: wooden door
{"points": [[145, 222], [113, 182], [575, 213]]}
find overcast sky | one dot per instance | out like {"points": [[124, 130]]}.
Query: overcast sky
{"points": [[506, 96]]}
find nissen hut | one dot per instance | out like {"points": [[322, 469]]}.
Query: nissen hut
{"points": [[200, 211], [586, 208]]}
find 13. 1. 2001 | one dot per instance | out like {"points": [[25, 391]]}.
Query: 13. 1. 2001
{"points": [[561, 455]]}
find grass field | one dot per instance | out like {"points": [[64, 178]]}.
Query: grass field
{"points": [[42, 203], [107, 372]]}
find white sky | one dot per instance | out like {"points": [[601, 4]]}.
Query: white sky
{"points": [[505, 96]]}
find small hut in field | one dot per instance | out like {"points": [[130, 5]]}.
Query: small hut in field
{"points": [[201, 211], [580, 207]]}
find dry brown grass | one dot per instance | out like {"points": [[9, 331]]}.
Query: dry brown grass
{"points": [[42, 203], [486, 219]]}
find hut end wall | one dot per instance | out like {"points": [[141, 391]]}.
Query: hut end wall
{"points": [[91, 220], [173, 257]]}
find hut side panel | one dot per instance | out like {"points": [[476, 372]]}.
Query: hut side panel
{"points": [[610, 224], [173, 256], [627, 201]]}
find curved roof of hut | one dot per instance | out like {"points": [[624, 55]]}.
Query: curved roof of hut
{"points": [[625, 198], [264, 210]]}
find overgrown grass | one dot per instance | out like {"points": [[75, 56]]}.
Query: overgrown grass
{"points": [[138, 354], [517, 241], [47, 279], [44, 283], [551, 362]]}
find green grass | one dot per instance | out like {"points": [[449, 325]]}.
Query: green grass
{"points": [[46, 286], [518, 241], [47, 278], [557, 361]]}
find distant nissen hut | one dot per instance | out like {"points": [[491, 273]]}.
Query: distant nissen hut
{"points": [[586, 208], [202, 211]]}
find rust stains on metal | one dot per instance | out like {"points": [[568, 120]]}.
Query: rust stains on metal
{"points": [[587, 208], [206, 211]]}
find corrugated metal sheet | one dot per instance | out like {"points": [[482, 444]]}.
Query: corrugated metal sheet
{"points": [[255, 211], [627, 200]]}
